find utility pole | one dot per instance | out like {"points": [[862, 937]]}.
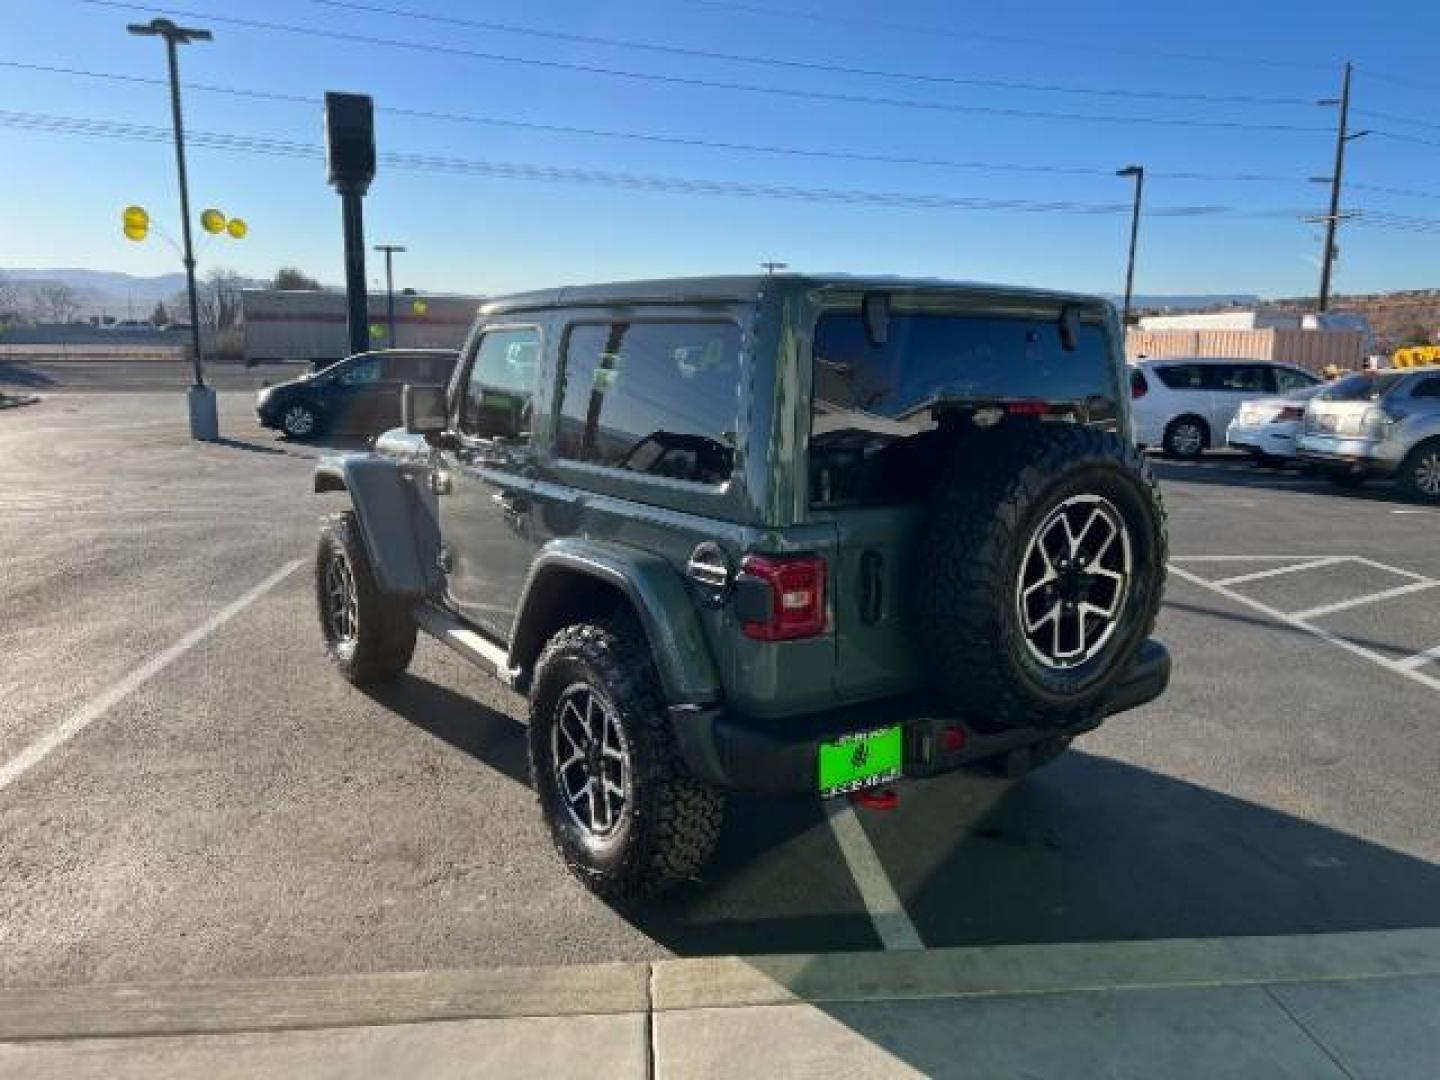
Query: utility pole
{"points": [[771, 267], [1138, 172], [1343, 136], [390, 250], [204, 422]]}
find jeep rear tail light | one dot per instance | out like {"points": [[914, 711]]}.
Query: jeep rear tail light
{"points": [[1138, 386], [783, 598]]}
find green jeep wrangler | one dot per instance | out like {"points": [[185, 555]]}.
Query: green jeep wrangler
{"points": [[782, 534]]}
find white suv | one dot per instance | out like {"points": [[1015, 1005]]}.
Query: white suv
{"points": [[1184, 404]]}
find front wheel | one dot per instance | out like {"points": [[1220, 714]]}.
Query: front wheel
{"points": [[624, 812], [299, 421], [1420, 474], [369, 636]]}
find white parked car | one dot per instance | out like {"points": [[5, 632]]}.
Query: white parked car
{"points": [[1267, 427], [1183, 405]]}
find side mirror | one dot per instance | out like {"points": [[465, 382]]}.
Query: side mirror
{"points": [[423, 409]]}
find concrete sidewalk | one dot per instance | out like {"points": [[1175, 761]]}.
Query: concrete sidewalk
{"points": [[1333, 1005]]}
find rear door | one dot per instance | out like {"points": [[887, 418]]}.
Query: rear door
{"points": [[349, 399], [396, 370], [876, 452], [1229, 386]]}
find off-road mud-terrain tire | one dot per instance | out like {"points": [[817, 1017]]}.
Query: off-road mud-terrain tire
{"points": [[1000, 491], [668, 827], [379, 644]]}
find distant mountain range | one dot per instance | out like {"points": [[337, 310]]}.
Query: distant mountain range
{"points": [[106, 292], [1189, 302]]}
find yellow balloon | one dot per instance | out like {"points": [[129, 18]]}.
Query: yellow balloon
{"points": [[135, 232], [419, 307], [237, 228], [135, 217], [212, 221]]}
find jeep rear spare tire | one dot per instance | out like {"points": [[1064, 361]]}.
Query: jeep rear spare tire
{"points": [[1041, 572]]}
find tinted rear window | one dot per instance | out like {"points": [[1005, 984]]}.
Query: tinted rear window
{"points": [[869, 399], [1180, 376], [1364, 386]]}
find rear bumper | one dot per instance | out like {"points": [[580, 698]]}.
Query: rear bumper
{"points": [[748, 754]]}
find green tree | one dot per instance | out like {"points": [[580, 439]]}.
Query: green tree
{"points": [[292, 277]]}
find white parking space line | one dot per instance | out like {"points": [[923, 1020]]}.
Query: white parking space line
{"points": [[112, 695], [1249, 558], [1312, 564], [1359, 601], [1390, 569], [1420, 659], [1397, 666], [887, 914]]}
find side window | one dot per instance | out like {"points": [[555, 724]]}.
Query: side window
{"points": [[362, 371], [1180, 376], [399, 369], [656, 398], [1242, 378], [1287, 379], [500, 389], [1427, 388]]}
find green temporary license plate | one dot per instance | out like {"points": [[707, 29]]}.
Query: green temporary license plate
{"points": [[859, 761]]}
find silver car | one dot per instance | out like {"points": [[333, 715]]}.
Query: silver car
{"points": [[1378, 423]]}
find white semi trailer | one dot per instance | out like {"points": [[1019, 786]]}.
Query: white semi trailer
{"points": [[299, 326]]}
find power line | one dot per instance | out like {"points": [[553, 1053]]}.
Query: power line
{"points": [[801, 65], [933, 30], [1395, 118], [836, 97], [91, 126], [868, 157], [1403, 193], [1413, 140]]}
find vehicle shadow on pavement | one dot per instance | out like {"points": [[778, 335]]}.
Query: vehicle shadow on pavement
{"points": [[1239, 475], [13, 374], [490, 737], [1094, 849], [241, 444], [1090, 849]]}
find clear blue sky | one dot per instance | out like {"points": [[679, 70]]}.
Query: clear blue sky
{"points": [[63, 193]]}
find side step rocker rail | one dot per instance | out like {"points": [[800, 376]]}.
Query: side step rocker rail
{"points": [[445, 628]]}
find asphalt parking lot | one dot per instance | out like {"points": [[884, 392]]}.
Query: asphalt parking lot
{"points": [[186, 790]]}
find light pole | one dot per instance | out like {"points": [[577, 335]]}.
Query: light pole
{"points": [[204, 423], [390, 250], [771, 267], [1138, 172]]}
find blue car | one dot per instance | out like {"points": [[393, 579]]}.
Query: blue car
{"points": [[360, 395]]}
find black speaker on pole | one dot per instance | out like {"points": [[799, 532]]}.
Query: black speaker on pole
{"points": [[350, 164]]}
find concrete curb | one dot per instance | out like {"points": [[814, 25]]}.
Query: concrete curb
{"points": [[339, 1001]]}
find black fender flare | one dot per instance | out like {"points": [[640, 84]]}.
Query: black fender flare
{"points": [[654, 589], [397, 518]]}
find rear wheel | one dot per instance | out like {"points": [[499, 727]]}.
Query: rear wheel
{"points": [[624, 812], [369, 636], [1186, 437], [1420, 474]]}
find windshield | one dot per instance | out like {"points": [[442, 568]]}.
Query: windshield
{"points": [[1366, 386]]}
